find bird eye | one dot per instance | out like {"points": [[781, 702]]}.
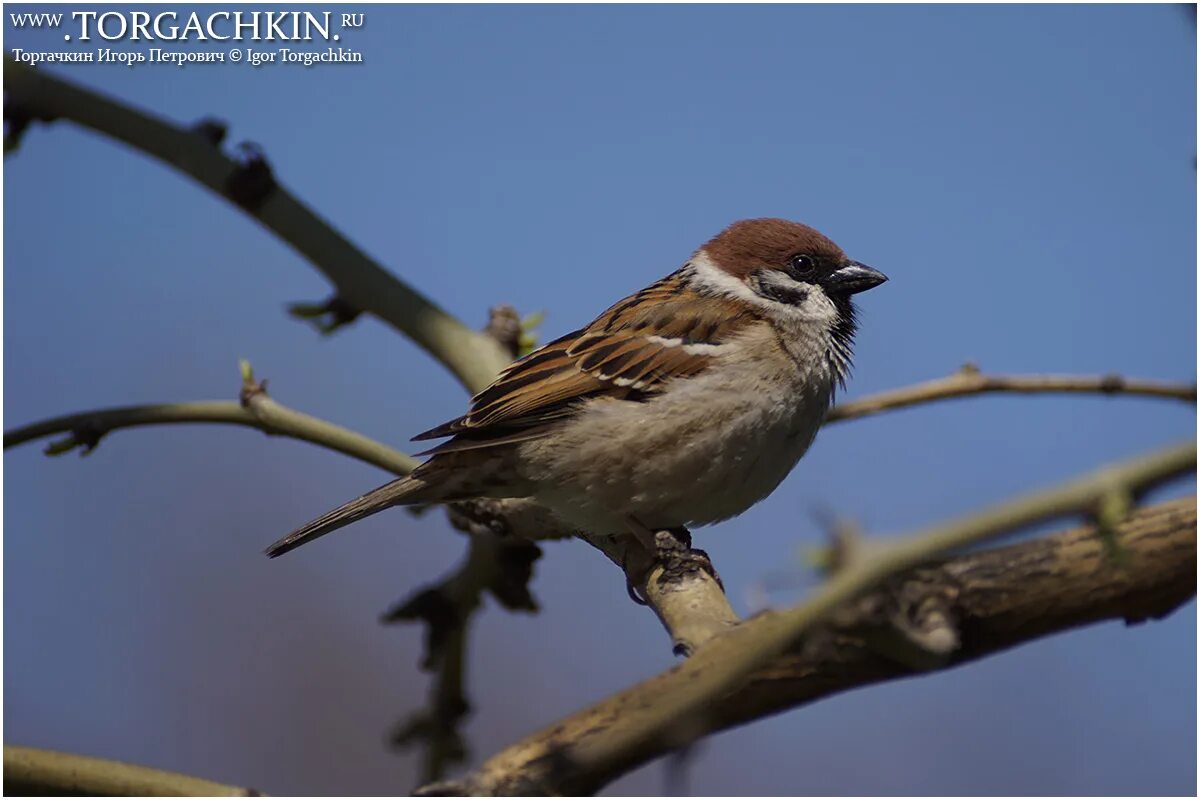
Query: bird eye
{"points": [[803, 266]]}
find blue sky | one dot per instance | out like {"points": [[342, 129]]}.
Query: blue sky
{"points": [[1025, 176]]}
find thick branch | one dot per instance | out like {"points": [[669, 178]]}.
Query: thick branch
{"points": [[30, 771], [586, 750], [361, 283], [970, 381], [995, 599]]}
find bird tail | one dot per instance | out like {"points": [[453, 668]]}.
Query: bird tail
{"points": [[403, 490]]}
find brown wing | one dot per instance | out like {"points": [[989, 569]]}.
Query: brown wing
{"points": [[627, 353]]}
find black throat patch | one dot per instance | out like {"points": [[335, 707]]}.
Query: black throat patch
{"points": [[841, 340]]}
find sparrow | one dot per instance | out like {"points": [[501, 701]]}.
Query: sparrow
{"points": [[682, 405]]}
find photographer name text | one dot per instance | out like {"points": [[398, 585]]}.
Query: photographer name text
{"points": [[134, 38], [158, 55]]}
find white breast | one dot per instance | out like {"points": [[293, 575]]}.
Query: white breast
{"points": [[705, 450]]}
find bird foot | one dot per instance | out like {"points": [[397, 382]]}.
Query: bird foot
{"points": [[678, 559], [671, 550]]}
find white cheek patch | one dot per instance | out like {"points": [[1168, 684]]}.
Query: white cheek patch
{"points": [[705, 275]]}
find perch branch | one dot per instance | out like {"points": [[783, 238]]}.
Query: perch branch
{"points": [[688, 601], [586, 750], [360, 282], [30, 771], [970, 381]]}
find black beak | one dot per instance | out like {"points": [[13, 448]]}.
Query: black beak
{"points": [[853, 277]]}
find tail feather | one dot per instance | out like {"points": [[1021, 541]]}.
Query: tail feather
{"points": [[398, 491]]}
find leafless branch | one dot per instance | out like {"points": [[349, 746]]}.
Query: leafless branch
{"points": [[970, 381], [256, 410], [30, 771]]}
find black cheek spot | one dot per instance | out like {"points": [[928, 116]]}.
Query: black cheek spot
{"points": [[784, 294]]}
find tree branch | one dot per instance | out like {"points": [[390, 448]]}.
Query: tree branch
{"points": [[586, 750], [992, 600], [30, 771], [361, 283], [970, 381], [257, 411], [496, 562]]}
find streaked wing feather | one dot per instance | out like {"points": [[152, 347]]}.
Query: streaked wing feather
{"points": [[460, 443], [630, 351]]}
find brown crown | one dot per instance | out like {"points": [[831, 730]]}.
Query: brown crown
{"points": [[754, 243]]}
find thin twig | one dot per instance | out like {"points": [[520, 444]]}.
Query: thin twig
{"points": [[86, 428], [670, 707], [969, 381], [30, 771], [362, 284]]}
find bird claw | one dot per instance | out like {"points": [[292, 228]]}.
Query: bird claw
{"points": [[630, 586], [634, 595]]}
